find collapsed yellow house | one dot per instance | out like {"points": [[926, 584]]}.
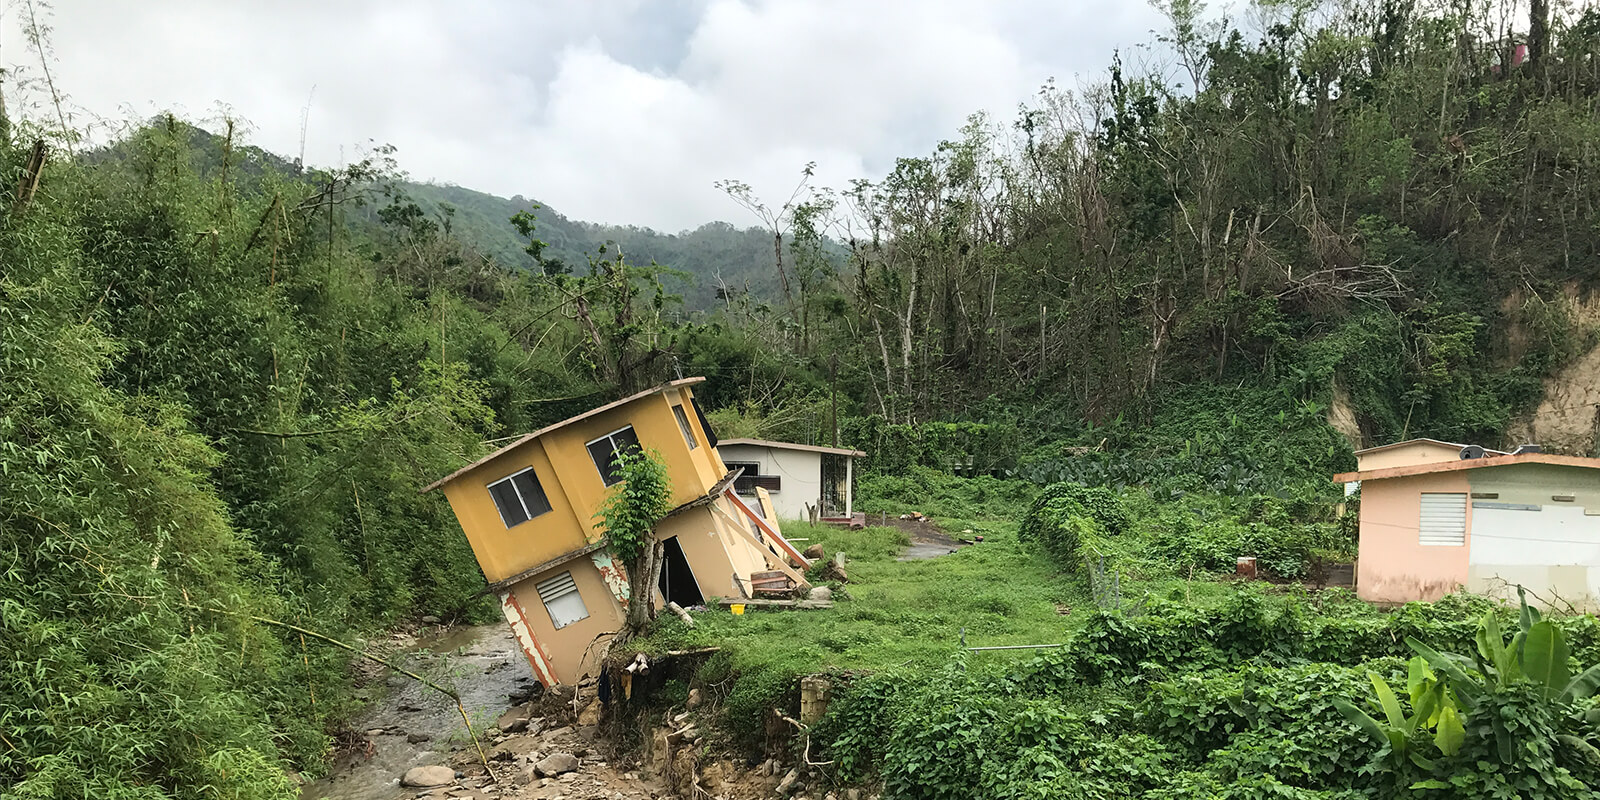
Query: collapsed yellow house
{"points": [[528, 510]]}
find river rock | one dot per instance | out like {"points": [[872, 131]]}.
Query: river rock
{"points": [[417, 738], [430, 620], [428, 776], [787, 786], [813, 553], [821, 593], [557, 764], [590, 715], [515, 719]]}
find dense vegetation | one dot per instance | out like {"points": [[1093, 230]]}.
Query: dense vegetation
{"points": [[223, 378]]}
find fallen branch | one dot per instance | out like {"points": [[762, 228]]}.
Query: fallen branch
{"points": [[805, 729], [683, 615]]}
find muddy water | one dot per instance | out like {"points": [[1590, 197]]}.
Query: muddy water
{"points": [[482, 664]]}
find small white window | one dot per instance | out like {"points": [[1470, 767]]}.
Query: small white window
{"points": [[560, 597], [1444, 519], [519, 497], [683, 425]]}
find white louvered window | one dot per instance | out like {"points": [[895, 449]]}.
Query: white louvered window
{"points": [[1444, 519], [560, 597]]}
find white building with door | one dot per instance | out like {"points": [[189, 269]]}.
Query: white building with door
{"points": [[797, 477]]}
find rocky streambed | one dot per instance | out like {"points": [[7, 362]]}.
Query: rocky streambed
{"points": [[412, 742]]}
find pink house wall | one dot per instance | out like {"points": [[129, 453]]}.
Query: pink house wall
{"points": [[1393, 566]]}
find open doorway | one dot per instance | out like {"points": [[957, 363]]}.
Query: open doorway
{"points": [[677, 580]]}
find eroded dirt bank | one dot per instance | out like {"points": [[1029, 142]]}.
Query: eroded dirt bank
{"points": [[412, 743]]}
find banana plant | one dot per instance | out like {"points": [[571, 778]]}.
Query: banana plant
{"points": [[1434, 715], [1537, 654]]}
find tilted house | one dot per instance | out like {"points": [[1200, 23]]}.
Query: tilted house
{"points": [[798, 477], [528, 510], [1437, 517]]}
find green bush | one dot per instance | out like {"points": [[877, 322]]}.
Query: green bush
{"points": [[942, 495], [1066, 516]]}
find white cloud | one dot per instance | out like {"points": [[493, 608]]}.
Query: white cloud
{"points": [[619, 112]]}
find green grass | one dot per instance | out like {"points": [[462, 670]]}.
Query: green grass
{"points": [[910, 612], [897, 611], [894, 614]]}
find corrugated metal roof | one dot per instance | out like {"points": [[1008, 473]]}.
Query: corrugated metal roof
{"points": [[1467, 463]]}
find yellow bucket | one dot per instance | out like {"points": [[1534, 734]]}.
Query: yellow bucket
{"points": [[737, 608]]}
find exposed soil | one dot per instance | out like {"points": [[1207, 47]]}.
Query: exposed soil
{"points": [[409, 726], [1567, 416], [927, 541]]}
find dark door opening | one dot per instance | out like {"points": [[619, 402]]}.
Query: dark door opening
{"points": [[677, 580]]}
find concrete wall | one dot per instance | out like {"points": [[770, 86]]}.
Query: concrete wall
{"points": [[1406, 455], [1393, 566], [800, 470], [1525, 536], [573, 484], [560, 654]]}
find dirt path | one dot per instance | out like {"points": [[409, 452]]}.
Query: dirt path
{"points": [[927, 541]]}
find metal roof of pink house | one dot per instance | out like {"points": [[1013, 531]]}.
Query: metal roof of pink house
{"points": [[1468, 463]]}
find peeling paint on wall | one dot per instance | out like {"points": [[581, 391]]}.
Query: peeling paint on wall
{"points": [[613, 574], [537, 658]]}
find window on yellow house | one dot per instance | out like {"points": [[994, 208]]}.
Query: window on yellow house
{"points": [[560, 597], [519, 497], [604, 451], [683, 425]]}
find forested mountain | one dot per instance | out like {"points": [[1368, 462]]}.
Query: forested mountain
{"points": [[223, 378], [716, 255], [740, 257]]}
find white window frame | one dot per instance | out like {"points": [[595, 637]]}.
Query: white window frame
{"points": [[553, 594], [614, 449], [520, 499], [682, 416], [1434, 528]]}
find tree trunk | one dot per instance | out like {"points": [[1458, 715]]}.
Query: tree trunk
{"points": [[643, 575], [777, 254]]}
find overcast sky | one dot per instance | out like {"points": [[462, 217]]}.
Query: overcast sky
{"points": [[621, 112]]}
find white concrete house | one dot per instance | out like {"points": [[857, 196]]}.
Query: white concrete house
{"points": [[797, 477]]}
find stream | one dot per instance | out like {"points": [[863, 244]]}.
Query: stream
{"points": [[409, 725]]}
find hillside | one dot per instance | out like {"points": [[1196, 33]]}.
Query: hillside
{"points": [[1150, 318], [742, 258]]}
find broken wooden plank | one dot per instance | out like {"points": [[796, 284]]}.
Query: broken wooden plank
{"points": [[800, 604], [770, 583]]}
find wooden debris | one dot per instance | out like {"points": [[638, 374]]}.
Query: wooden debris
{"points": [[683, 615], [770, 584], [800, 604]]}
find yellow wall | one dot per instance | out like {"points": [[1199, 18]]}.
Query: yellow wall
{"points": [[565, 647], [704, 549], [573, 484], [503, 552]]}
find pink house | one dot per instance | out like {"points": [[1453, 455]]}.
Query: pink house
{"points": [[1437, 516]]}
